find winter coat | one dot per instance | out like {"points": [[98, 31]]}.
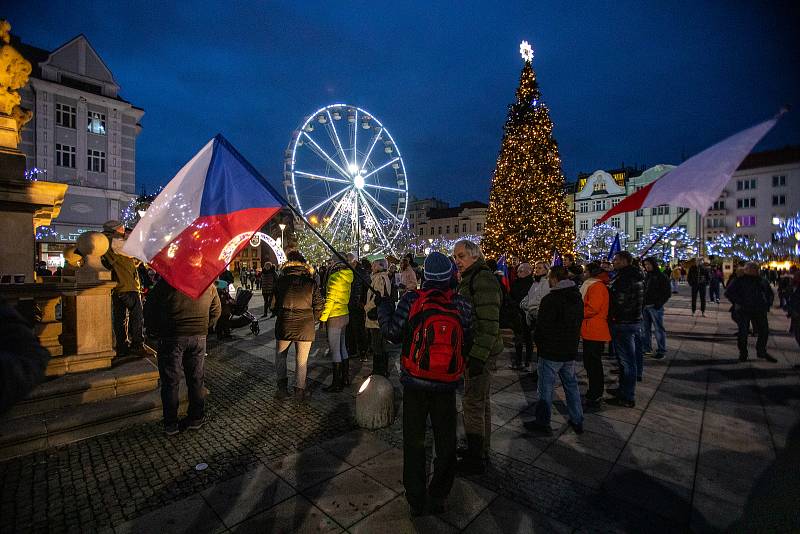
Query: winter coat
{"points": [[480, 287], [337, 294], [750, 294], [383, 285], [558, 325], [124, 267], [627, 296], [269, 277], [697, 276], [408, 278], [357, 288], [170, 313], [298, 303], [519, 289], [656, 289], [595, 308], [539, 288], [396, 329]]}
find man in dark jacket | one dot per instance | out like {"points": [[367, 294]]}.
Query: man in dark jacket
{"points": [[522, 334], [356, 336], [625, 317], [269, 276], [423, 398], [752, 298], [298, 304], [558, 331], [657, 292], [181, 323], [698, 278]]}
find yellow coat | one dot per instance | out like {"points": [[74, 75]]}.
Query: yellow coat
{"points": [[337, 296]]}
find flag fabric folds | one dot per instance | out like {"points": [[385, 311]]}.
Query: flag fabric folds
{"points": [[502, 267], [615, 247], [697, 182], [557, 261], [203, 217]]}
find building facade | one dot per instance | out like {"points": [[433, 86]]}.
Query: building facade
{"points": [[431, 218], [83, 134]]}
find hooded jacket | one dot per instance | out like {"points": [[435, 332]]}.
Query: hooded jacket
{"points": [[595, 308], [750, 294], [337, 294], [558, 325], [539, 288], [170, 313], [482, 290], [627, 296], [656, 288], [298, 303], [124, 267], [381, 283]]}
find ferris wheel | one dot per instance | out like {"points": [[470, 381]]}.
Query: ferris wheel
{"points": [[344, 172]]}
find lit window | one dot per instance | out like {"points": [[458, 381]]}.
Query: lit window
{"points": [[96, 161], [65, 116], [65, 156], [96, 122], [600, 185], [745, 221]]}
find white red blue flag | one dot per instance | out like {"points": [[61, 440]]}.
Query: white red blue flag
{"points": [[203, 217], [502, 267], [615, 247], [557, 261]]}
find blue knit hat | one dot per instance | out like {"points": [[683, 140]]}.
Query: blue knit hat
{"points": [[438, 267]]}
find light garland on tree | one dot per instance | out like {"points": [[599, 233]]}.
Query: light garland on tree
{"points": [[528, 215], [685, 244], [34, 173], [598, 241], [737, 247]]}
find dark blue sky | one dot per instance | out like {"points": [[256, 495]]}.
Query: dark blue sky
{"points": [[625, 82]]}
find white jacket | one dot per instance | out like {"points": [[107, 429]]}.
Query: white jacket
{"points": [[530, 304]]}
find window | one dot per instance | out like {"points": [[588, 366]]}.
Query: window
{"points": [[96, 122], [422, 231], [615, 222], [745, 220], [448, 229], [65, 156], [478, 227], [584, 224], [778, 181], [681, 211], [600, 185], [96, 161], [410, 215], [719, 205], [599, 205], [464, 228], [660, 210], [65, 116], [433, 230], [640, 213], [745, 203], [583, 207], [639, 233], [746, 185], [615, 201], [778, 200]]}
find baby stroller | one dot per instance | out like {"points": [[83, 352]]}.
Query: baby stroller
{"points": [[234, 311]]}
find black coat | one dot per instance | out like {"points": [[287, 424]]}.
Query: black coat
{"points": [[169, 313], [298, 303], [627, 296], [268, 279], [558, 324], [656, 289], [750, 294], [520, 288]]}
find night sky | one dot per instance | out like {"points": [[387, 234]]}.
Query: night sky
{"points": [[625, 82]]}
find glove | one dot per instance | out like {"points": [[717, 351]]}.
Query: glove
{"points": [[475, 367]]}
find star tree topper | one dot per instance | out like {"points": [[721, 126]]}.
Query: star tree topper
{"points": [[526, 51]]}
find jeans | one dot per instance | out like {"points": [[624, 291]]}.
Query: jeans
{"points": [[593, 363], [713, 291], [173, 354], [418, 404], [336, 337], [128, 320], [548, 369], [477, 405], [301, 350], [701, 290], [674, 284], [653, 319], [626, 341], [761, 327], [380, 358]]}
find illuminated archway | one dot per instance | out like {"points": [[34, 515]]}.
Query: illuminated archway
{"points": [[258, 237]]}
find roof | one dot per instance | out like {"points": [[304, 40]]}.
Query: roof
{"points": [[446, 213], [771, 158]]}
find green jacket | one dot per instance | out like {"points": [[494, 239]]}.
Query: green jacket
{"points": [[124, 268], [479, 286]]}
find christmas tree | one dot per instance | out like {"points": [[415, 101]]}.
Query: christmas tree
{"points": [[528, 215]]}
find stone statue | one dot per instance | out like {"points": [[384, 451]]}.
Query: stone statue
{"points": [[14, 72]]}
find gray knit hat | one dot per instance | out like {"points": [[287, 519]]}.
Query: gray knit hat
{"points": [[438, 267]]}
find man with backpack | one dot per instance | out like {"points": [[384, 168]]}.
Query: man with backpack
{"points": [[481, 288], [434, 326]]}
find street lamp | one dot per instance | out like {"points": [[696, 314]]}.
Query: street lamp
{"points": [[672, 244], [282, 227]]}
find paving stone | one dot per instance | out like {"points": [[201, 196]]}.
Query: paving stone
{"points": [[308, 467], [659, 464], [508, 517], [676, 427], [386, 468], [657, 496], [608, 427], [295, 515], [514, 442], [192, 515], [667, 443], [241, 497], [467, 499], [395, 516], [355, 447], [598, 445], [349, 496], [710, 514], [571, 464]]}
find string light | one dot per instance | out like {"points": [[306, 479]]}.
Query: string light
{"points": [[598, 240]]}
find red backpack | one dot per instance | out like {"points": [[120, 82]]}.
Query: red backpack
{"points": [[437, 338]]}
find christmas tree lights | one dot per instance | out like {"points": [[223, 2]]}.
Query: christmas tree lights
{"points": [[528, 215]]}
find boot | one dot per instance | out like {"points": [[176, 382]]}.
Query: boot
{"points": [[346, 372], [472, 463], [283, 390], [300, 395], [336, 382]]}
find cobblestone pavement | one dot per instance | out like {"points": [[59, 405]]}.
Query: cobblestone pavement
{"points": [[707, 446]]}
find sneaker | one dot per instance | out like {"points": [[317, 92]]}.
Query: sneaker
{"points": [[171, 430], [192, 424], [538, 428], [658, 356], [578, 428], [767, 357], [619, 401]]}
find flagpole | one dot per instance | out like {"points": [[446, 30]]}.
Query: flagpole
{"points": [[667, 229]]}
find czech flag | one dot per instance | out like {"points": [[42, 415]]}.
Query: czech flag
{"points": [[203, 217], [557, 261], [502, 266]]}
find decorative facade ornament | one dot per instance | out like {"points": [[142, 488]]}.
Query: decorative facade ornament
{"points": [[14, 72]]}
